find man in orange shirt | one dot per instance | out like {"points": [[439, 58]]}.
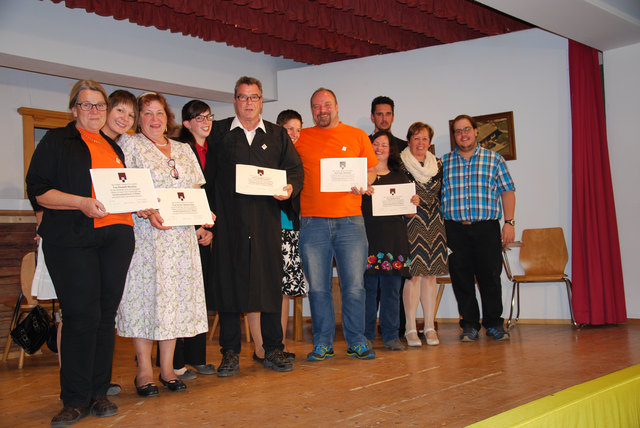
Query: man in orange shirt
{"points": [[332, 226]]}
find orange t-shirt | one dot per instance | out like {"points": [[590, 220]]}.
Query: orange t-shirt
{"points": [[103, 156], [317, 143]]}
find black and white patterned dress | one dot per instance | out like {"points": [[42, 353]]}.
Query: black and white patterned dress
{"points": [[293, 279], [427, 236]]}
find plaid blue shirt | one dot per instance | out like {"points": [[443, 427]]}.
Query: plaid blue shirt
{"points": [[471, 189]]}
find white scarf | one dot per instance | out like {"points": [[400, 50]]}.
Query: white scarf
{"points": [[420, 173]]}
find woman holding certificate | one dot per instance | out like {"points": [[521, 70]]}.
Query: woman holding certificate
{"points": [[87, 250], [427, 239], [388, 260], [164, 294], [196, 126]]}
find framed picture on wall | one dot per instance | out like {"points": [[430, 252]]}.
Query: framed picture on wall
{"points": [[495, 132]]}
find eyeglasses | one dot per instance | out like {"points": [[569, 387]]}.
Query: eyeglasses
{"points": [[203, 117], [87, 106], [252, 97], [174, 171], [465, 130]]}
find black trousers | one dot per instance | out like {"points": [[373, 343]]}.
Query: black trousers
{"points": [[476, 253], [190, 350], [193, 350], [230, 331], [89, 282]]}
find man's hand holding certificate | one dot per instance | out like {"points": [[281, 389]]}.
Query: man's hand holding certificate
{"points": [[393, 199], [341, 174], [258, 180], [124, 190]]}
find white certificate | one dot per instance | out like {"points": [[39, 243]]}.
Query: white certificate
{"points": [[341, 174], [258, 180], [184, 207], [393, 199], [124, 190]]}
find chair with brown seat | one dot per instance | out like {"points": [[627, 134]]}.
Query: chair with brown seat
{"points": [[25, 301], [543, 258]]}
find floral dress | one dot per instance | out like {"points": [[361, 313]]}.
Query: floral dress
{"points": [[164, 293], [387, 235]]}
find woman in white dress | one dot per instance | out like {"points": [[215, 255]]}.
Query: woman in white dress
{"points": [[164, 294]]}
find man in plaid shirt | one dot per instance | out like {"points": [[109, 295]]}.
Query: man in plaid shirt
{"points": [[476, 190]]}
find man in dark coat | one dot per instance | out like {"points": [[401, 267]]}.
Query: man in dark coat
{"points": [[247, 258]]}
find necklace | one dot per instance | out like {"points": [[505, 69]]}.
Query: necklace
{"points": [[160, 145], [89, 137]]}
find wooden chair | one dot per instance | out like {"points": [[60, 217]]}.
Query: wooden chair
{"points": [[543, 258], [247, 331], [25, 301]]}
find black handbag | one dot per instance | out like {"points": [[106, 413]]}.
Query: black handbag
{"points": [[32, 332]]}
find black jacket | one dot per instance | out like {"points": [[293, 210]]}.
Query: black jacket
{"points": [[62, 161]]}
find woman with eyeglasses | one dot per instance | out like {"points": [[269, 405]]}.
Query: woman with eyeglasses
{"points": [[196, 127], [164, 294], [87, 250], [427, 237], [122, 114]]}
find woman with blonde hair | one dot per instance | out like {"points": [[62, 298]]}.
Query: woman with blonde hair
{"points": [[87, 250]]}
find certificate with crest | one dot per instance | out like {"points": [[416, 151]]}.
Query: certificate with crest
{"points": [[393, 199], [184, 207], [124, 190], [258, 180], [341, 174]]}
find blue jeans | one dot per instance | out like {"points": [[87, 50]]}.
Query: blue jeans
{"points": [[322, 239], [389, 306]]}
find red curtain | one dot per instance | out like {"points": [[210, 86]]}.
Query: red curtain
{"points": [[598, 288]]}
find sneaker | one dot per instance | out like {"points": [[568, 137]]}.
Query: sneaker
{"points": [[469, 334], [362, 352], [395, 345], [498, 333], [229, 365], [187, 375], [276, 360], [205, 368], [320, 352], [114, 389]]}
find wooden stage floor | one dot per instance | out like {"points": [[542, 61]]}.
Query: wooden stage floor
{"points": [[453, 385]]}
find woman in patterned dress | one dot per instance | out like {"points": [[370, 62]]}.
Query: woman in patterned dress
{"points": [[427, 239], [164, 294]]}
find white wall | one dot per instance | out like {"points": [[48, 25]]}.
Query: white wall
{"points": [[622, 100], [26, 89], [526, 72]]}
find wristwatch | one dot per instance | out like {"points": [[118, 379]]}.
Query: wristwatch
{"points": [[512, 222]]}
